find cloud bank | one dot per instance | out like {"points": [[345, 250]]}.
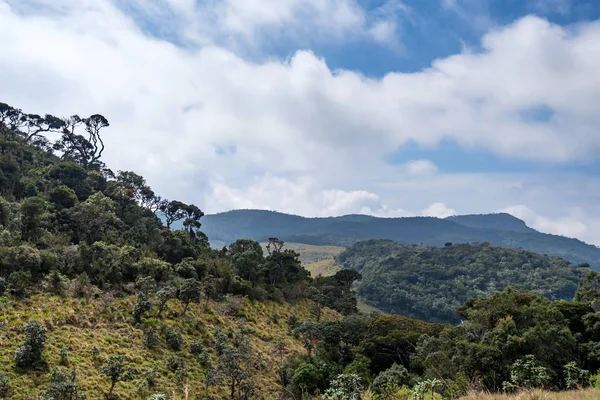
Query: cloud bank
{"points": [[206, 121]]}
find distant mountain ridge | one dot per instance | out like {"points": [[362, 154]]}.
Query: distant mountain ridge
{"points": [[503, 230]]}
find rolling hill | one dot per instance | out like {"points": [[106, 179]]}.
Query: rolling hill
{"points": [[501, 230]]}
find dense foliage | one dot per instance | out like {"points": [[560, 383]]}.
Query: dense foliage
{"points": [[430, 283], [501, 230]]}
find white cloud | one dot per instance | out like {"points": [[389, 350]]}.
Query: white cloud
{"points": [[439, 210], [300, 137], [301, 196], [245, 25], [420, 167], [570, 225]]}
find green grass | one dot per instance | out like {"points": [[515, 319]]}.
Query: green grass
{"points": [[80, 325]]}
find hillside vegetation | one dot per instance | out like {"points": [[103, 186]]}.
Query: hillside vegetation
{"points": [[502, 230], [430, 283], [101, 299]]}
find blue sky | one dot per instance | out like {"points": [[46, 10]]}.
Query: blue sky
{"points": [[329, 107]]}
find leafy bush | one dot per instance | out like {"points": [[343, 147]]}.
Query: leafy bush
{"points": [[347, 387], [525, 373], [196, 347], [4, 386], [151, 339], [174, 363], [31, 350], [396, 376], [64, 355], [173, 337], [575, 377], [141, 307], [64, 386]]}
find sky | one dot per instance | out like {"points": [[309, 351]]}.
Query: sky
{"points": [[330, 107]]}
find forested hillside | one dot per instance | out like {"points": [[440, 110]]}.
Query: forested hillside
{"points": [[430, 283], [100, 299], [500, 230]]}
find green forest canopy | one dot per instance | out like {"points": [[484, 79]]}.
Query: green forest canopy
{"points": [[430, 283]]}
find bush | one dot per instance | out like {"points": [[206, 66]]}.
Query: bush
{"points": [[4, 386], [575, 377], [64, 355], [527, 374], [56, 283], [31, 350], [140, 308], [292, 322], [306, 377], [347, 387], [151, 339], [63, 386], [196, 347], [173, 337], [174, 363], [150, 375], [395, 376], [19, 283]]}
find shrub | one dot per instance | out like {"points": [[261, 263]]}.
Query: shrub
{"points": [[64, 355], [19, 283], [173, 337], [31, 350], [150, 375], [151, 339], [63, 386], [347, 387], [527, 374], [4, 386], [292, 322], [95, 351], [575, 377], [395, 376], [196, 347], [174, 363], [140, 308], [56, 283]]}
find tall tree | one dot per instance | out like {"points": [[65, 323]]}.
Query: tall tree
{"points": [[173, 211]]}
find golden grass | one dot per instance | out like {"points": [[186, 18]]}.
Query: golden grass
{"points": [[81, 324], [311, 253], [588, 394]]}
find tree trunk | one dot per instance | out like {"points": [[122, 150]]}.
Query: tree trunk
{"points": [[110, 392], [185, 309]]}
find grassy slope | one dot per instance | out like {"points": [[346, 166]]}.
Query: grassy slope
{"points": [[588, 394], [320, 260], [80, 324]]}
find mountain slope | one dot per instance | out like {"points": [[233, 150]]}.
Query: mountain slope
{"points": [[430, 283], [501, 230]]}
